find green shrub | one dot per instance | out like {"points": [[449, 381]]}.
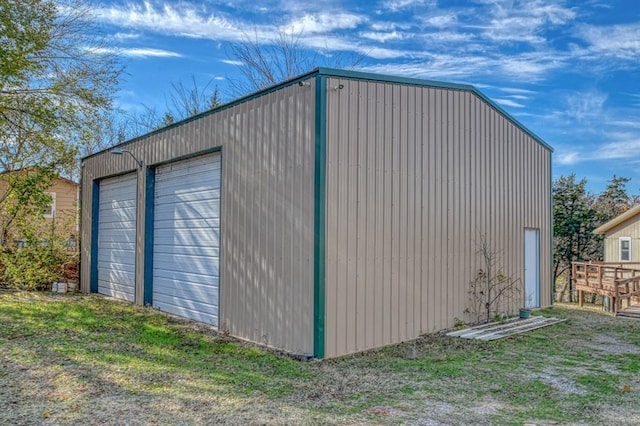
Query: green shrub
{"points": [[34, 266]]}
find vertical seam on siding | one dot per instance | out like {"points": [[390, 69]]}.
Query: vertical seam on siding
{"points": [[319, 220]]}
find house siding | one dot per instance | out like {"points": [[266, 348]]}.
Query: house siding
{"points": [[629, 228], [415, 175], [66, 207]]}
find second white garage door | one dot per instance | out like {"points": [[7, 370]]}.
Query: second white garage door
{"points": [[186, 246]]}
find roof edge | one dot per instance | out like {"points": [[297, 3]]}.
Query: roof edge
{"points": [[602, 229], [340, 73]]}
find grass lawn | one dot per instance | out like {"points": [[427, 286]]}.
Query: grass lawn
{"points": [[84, 359]]}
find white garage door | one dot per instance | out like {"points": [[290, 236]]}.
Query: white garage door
{"points": [[117, 237], [186, 248]]}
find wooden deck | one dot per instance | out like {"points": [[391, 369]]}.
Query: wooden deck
{"points": [[619, 281], [632, 311]]}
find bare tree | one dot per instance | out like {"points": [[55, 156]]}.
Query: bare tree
{"points": [[491, 292], [264, 63], [187, 101]]}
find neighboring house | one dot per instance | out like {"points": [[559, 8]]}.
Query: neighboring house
{"points": [[335, 212], [622, 237], [63, 209]]}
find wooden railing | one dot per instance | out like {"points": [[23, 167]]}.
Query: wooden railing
{"points": [[619, 281]]}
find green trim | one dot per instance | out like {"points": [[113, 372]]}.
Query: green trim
{"points": [[319, 219], [358, 75], [95, 217], [149, 205]]}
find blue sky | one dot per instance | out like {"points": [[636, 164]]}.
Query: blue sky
{"points": [[568, 70]]}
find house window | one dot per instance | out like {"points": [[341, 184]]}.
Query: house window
{"points": [[625, 249], [50, 211]]}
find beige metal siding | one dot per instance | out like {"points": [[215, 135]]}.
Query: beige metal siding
{"points": [[267, 143], [415, 176], [629, 228]]}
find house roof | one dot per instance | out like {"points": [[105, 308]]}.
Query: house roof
{"points": [[338, 73], [602, 229]]}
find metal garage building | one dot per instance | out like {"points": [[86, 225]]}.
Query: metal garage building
{"points": [[333, 213]]}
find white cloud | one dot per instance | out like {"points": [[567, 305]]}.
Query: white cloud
{"points": [[451, 66], [626, 146], [620, 146], [382, 36], [621, 41], [339, 44], [447, 37], [508, 102], [517, 90], [181, 19], [566, 158], [440, 21], [525, 21], [137, 52], [396, 5], [323, 23], [231, 62], [586, 106], [125, 36]]}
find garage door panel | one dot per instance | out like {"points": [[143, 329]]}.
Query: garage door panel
{"points": [[211, 251], [165, 276], [117, 263], [183, 241], [188, 223], [186, 290], [190, 194], [186, 238], [120, 245], [116, 281], [117, 224], [121, 276], [115, 214], [198, 173], [117, 236], [211, 217], [121, 292], [202, 209], [183, 262], [194, 166], [190, 304], [210, 317]]}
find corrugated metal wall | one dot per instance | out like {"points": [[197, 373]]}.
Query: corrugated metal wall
{"points": [[630, 228], [267, 143], [415, 176]]}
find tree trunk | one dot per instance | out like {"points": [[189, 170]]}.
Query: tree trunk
{"points": [[570, 285]]}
